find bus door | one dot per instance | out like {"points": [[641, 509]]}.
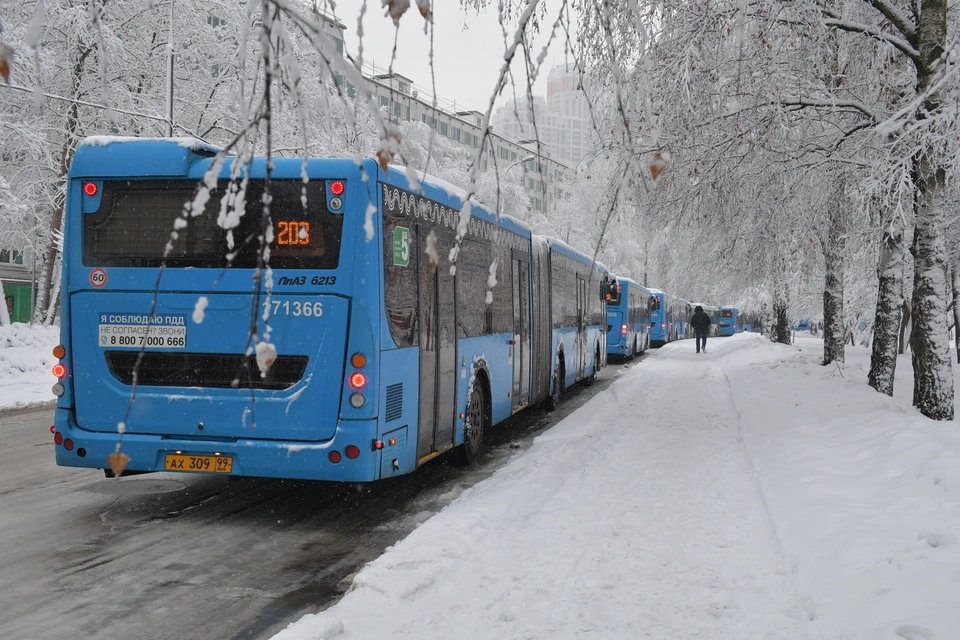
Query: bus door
{"points": [[581, 325], [520, 347], [438, 348]]}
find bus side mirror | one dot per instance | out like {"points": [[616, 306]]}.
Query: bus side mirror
{"points": [[610, 292]]}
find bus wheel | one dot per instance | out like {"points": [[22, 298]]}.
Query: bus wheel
{"points": [[596, 368], [553, 400], [476, 426]]}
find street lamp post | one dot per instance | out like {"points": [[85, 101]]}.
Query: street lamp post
{"points": [[521, 160], [170, 76]]}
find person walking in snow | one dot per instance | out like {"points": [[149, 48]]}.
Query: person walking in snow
{"points": [[700, 322]]}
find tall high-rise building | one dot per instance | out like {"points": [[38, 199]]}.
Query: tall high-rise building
{"points": [[561, 122]]}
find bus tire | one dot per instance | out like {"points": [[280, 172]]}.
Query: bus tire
{"points": [[478, 419], [596, 367], [553, 400]]}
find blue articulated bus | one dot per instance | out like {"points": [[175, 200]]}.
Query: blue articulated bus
{"points": [[684, 313], [628, 318], [727, 321], [384, 359], [668, 318]]}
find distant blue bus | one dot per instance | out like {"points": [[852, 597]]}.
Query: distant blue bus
{"points": [[669, 318], [628, 318], [727, 321], [384, 358]]}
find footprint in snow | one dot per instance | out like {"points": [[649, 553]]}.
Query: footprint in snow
{"points": [[913, 632], [938, 539]]}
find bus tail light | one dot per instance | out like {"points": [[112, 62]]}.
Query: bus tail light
{"points": [[357, 400], [59, 351], [623, 329], [58, 438], [90, 188], [358, 380], [358, 360], [352, 452], [53, 429], [337, 188], [377, 445], [334, 457], [59, 370], [68, 444], [663, 325]]}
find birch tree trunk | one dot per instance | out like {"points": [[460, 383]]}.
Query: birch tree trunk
{"points": [[929, 341], [48, 294], [833, 333], [781, 324], [887, 321], [956, 308], [905, 327]]}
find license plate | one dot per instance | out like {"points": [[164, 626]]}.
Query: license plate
{"points": [[198, 464]]}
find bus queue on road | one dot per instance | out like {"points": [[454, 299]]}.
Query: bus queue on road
{"points": [[371, 353]]}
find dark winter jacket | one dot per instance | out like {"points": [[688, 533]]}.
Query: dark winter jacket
{"points": [[700, 321]]}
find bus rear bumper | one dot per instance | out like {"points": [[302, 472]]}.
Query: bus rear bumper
{"points": [[250, 457]]}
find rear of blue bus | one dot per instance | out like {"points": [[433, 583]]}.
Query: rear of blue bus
{"points": [[659, 331], [727, 321], [618, 329], [203, 404]]}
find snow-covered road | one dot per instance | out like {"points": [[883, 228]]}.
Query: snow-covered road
{"points": [[189, 556]]}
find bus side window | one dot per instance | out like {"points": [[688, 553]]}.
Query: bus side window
{"points": [[399, 280]]}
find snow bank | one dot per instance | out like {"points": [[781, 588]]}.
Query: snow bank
{"points": [[864, 491], [25, 361]]}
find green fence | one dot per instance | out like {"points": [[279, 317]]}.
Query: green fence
{"points": [[18, 302]]}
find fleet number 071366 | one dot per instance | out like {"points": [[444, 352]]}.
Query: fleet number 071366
{"points": [[293, 308]]}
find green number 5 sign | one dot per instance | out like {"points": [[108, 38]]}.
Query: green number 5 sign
{"points": [[401, 246]]}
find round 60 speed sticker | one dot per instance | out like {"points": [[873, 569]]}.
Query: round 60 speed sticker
{"points": [[98, 277]]}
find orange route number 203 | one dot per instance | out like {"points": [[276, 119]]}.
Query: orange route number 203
{"points": [[293, 232], [198, 464]]}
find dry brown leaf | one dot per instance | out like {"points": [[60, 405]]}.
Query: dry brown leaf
{"points": [[657, 165], [396, 8], [383, 158], [424, 6], [6, 61], [117, 462], [389, 146]]}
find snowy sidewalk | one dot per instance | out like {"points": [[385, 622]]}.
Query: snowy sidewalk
{"points": [[637, 516], [25, 361]]}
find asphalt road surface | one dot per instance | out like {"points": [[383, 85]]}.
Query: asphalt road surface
{"points": [[194, 556]]}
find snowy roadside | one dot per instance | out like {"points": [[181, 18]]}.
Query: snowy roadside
{"points": [[636, 516], [25, 361], [770, 498], [864, 491]]}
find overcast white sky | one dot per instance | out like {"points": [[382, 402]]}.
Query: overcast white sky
{"points": [[468, 48]]}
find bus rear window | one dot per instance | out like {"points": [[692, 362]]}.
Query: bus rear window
{"points": [[726, 314], [135, 219]]}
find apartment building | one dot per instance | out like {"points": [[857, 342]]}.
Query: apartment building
{"points": [[546, 179]]}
